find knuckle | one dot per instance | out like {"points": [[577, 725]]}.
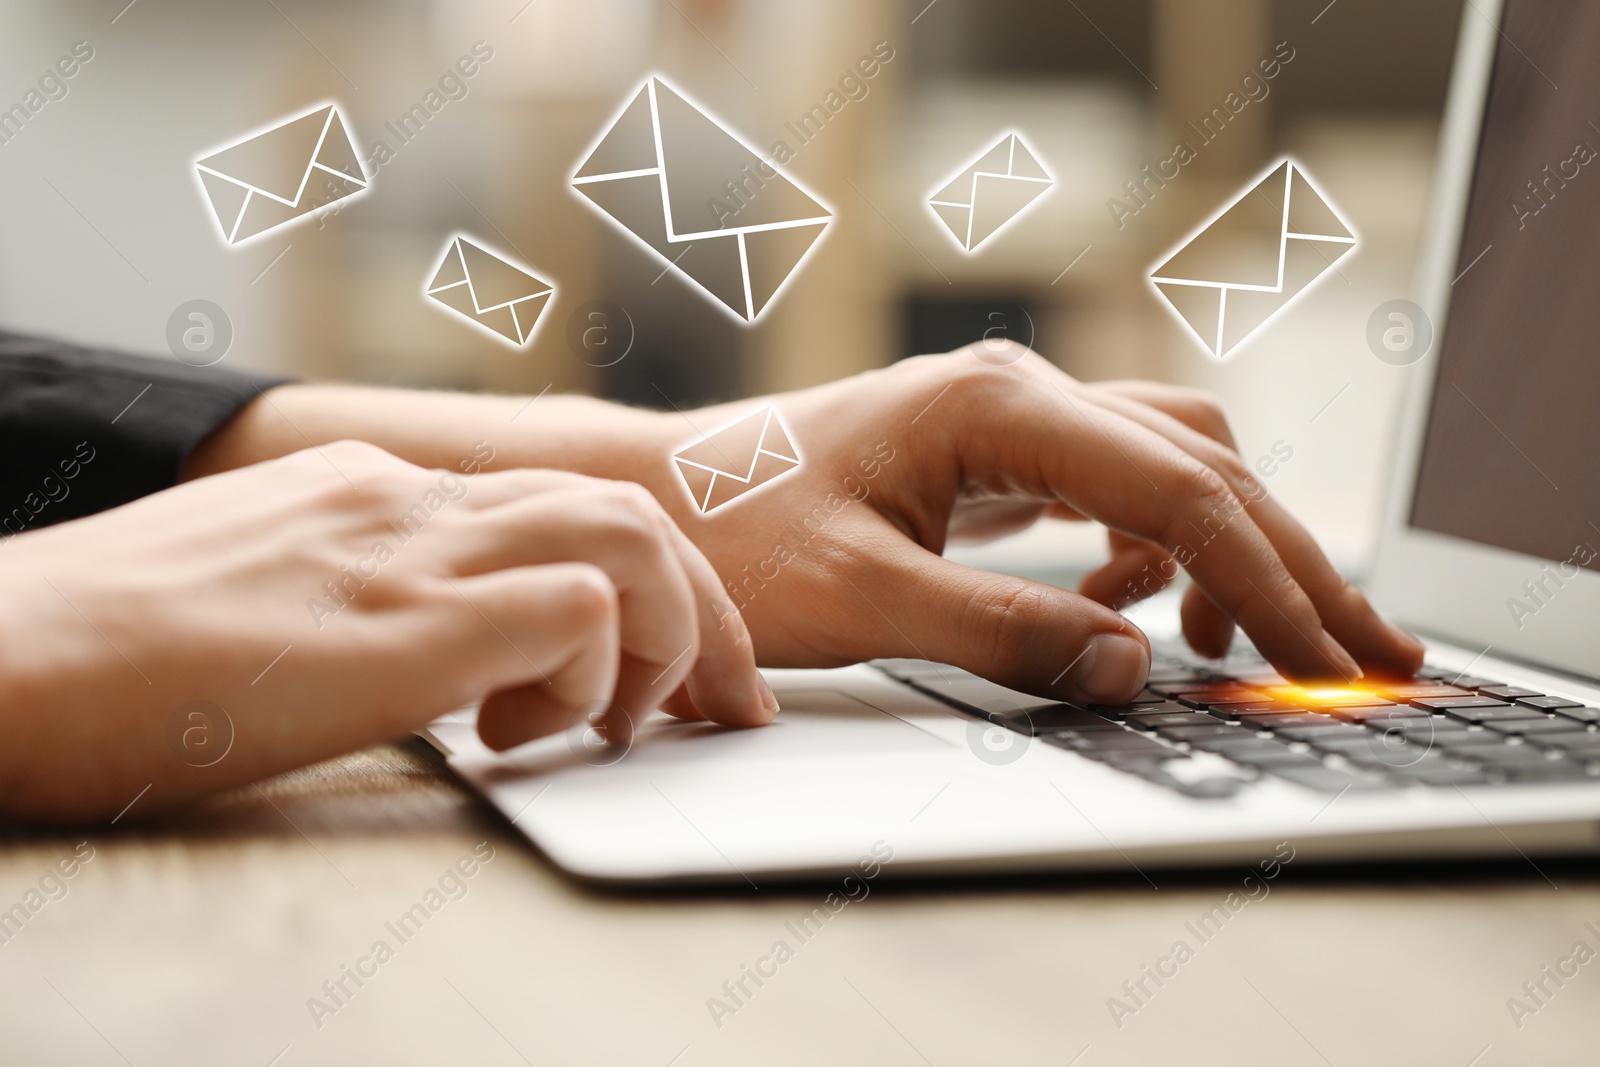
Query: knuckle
{"points": [[587, 596], [632, 515], [1205, 501], [1200, 485], [1002, 619], [1233, 467], [361, 455]]}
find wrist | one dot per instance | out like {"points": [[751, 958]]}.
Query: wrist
{"points": [[441, 430]]}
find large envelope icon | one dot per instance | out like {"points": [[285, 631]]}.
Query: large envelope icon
{"points": [[1253, 259], [992, 192], [732, 461], [274, 177], [709, 205], [485, 288]]}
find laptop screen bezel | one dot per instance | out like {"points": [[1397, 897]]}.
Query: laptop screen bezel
{"points": [[1448, 586]]}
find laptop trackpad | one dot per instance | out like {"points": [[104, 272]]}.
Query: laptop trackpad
{"points": [[813, 722]]}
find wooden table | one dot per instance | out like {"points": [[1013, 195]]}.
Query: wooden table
{"points": [[203, 939]]}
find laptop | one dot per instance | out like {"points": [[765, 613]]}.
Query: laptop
{"points": [[1488, 551]]}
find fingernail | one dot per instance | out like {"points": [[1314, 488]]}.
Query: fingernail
{"points": [[1342, 661], [1112, 669], [768, 698]]}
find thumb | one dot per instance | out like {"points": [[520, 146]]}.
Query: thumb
{"points": [[1023, 634]]}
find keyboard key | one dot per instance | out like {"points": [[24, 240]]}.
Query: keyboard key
{"points": [[1122, 711], [1124, 742], [1583, 714], [1419, 690], [1522, 727], [1416, 724], [1186, 718], [1256, 707], [1585, 742], [1443, 740], [1330, 700], [1548, 771], [1317, 733], [1503, 755], [1507, 692], [1548, 703], [1471, 739], [1493, 713], [1288, 722], [1056, 718], [1198, 733], [1381, 759], [1253, 751], [1393, 713], [1449, 703], [1435, 773], [1573, 741], [1205, 698], [1293, 717], [1350, 739], [1322, 779]]}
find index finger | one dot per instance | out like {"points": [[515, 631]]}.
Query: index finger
{"points": [[1345, 611], [1144, 485]]}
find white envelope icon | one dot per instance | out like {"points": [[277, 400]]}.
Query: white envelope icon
{"points": [[275, 176], [991, 192], [1253, 259], [710, 206], [744, 455], [486, 288]]}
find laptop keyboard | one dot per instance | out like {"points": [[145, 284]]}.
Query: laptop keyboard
{"points": [[1211, 728]]}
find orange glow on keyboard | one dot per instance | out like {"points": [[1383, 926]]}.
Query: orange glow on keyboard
{"points": [[1326, 696]]}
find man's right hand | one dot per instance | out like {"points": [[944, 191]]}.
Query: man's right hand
{"points": [[336, 598]]}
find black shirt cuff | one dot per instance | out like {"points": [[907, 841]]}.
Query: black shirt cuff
{"points": [[83, 430]]}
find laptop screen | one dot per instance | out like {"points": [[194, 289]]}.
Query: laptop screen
{"points": [[1511, 455]]}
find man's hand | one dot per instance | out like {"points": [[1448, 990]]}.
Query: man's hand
{"points": [[339, 597], [841, 561]]}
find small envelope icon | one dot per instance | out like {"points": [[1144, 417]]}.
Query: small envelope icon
{"points": [[1254, 259], [732, 461], [487, 289], [711, 207], [992, 192], [273, 177]]}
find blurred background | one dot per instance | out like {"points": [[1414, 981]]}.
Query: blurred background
{"points": [[105, 230]]}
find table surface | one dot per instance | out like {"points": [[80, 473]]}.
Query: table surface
{"points": [[204, 938]]}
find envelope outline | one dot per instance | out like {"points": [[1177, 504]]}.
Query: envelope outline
{"points": [[1215, 345], [733, 465], [263, 130], [673, 236], [1017, 140], [453, 248]]}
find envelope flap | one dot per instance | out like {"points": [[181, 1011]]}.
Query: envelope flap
{"points": [[338, 152], [775, 440], [1024, 164], [731, 451], [629, 145], [1309, 213], [699, 159], [1242, 246], [996, 160], [494, 281], [274, 162]]}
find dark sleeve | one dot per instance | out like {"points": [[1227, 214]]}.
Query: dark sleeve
{"points": [[82, 430]]}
